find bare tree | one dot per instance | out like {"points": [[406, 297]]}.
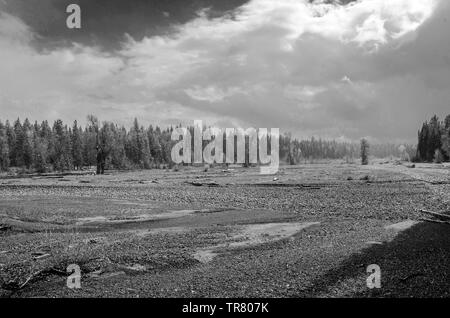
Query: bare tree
{"points": [[93, 122], [364, 152]]}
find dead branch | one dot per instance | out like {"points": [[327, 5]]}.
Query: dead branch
{"points": [[32, 276], [439, 215], [414, 275], [434, 221]]}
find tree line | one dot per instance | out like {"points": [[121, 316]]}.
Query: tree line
{"points": [[434, 140], [296, 151], [41, 147]]}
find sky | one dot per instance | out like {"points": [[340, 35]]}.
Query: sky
{"points": [[338, 70]]}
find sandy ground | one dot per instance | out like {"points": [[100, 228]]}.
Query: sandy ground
{"points": [[309, 231]]}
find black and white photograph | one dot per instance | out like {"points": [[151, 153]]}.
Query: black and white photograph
{"points": [[249, 150]]}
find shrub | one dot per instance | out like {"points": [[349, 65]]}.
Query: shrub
{"points": [[438, 156]]}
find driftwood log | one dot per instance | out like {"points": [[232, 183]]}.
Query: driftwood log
{"points": [[437, 215], [435, 221]]}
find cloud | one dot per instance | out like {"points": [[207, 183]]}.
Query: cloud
{"points": [[325, 69], [14, 29], [50, 82]]}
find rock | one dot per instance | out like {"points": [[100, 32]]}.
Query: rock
{"points": [[374, 243]]}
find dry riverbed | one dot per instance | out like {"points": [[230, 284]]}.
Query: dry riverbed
{"points": [[309, 231]]}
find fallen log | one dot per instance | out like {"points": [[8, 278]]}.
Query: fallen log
{"points": [[434, 221], [207, 183], [435, 214], [15, 286]]}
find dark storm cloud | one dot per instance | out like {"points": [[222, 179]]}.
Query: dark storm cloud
{"points": [[104, 22]]}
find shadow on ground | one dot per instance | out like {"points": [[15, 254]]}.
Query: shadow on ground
{"points": [[416, 263]]}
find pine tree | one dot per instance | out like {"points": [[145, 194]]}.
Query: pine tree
{"points": [[118, 156], [27, 133], [77, 146], [146, 156], [422, 142], [61, 156], [89, 146], [4, 148], [434, 138], [447, 122], [138, 146], [17, 149], [40, 154], [11, 136], [431, 138], [155, 145], [445, 139]]}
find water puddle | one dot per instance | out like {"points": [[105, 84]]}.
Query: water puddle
{"points": [[253, 235], [163, 230], [134, 219], [99, 220]]}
